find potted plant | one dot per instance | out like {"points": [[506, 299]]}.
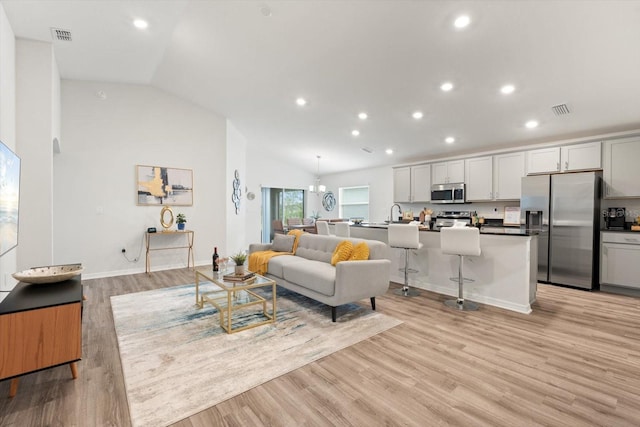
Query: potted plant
{"points": [[181, 220], [239, 259]]}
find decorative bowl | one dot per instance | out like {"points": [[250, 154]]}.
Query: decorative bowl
{"points": [[48, 274]]}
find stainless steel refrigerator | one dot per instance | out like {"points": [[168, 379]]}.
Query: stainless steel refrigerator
{"points": [[566, 209]]}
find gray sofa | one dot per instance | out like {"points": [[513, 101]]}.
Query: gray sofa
{"points": [[309, 272]]}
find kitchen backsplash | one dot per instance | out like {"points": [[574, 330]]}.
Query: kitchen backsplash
{"points": [[632, 207], [486, 209]]}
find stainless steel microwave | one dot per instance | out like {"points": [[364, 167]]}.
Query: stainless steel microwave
{"points": [[447, 193]]}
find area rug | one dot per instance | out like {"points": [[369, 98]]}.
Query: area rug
{"points": [[177, 361]]}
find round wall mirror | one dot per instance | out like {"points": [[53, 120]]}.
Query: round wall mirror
{"points": [[166, 217]]}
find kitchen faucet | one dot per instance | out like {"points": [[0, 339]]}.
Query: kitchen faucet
{"points": [[391, 212]]}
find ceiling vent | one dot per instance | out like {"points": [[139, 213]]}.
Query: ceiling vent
{"points": [[367, 149], [61, 35], [560, 109]]}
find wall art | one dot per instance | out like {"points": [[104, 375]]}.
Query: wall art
{"points": [[158, 185]]}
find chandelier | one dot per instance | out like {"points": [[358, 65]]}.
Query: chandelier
{"points": [[317, 187]]}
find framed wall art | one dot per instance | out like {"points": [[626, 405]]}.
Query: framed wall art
{"points": [[158, 185]]}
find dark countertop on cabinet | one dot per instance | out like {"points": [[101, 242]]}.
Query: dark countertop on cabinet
{"points": [[30, 296]]}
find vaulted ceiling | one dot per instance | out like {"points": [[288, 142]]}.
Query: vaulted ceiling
{"points": [[251, 60]]}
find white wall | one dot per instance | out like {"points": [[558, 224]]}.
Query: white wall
{"points": [[8, 262], [266, 169], [35, 98], [380, 182], [95, 208], [236, 161]]}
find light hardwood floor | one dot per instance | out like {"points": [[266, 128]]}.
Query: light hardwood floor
{"points": [[575, 361]]}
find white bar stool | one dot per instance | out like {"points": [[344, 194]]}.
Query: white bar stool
{"points": [[461, 241], [323, 228], [342, 229], [405, 236]]}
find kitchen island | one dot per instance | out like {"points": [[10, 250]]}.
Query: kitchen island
{"points": [[505, 273]]}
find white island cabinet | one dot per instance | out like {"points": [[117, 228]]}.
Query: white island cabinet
{"points": [[505, 273]]}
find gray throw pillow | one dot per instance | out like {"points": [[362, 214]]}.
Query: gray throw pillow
{"points": [[282, 243]]}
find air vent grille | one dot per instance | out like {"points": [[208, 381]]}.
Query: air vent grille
{"points": [[560, 109], [367, 149], [61, 35]]}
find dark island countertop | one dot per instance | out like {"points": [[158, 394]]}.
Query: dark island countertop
{"points": [[498, 231]]}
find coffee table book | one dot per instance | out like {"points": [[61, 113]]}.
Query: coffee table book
{"points": [[238, 277]]}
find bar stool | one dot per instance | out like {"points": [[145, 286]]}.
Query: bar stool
{"points": [[405, 236], [323, 228], [461, 241], [342, 229]]}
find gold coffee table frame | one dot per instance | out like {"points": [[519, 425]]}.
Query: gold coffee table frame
{"points": [[233, 296]]}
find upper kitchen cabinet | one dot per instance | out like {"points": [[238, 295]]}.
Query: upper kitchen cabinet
{"points": [[447, 172], [543, 160], [412, 184], [581, 156], [621, 171], [479, 178], [565, 159], [508, 170]]}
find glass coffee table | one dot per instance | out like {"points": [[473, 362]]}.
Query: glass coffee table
{"points": [[231, 297]]}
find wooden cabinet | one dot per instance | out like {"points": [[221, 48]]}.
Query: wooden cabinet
{"points": [[40, 327], [479, 178], [619, 255], [447, 172], [508, 170], [412, 184], [621, 171], [565, 159]]}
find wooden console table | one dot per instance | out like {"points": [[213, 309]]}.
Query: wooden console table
{"points": [[189, 246], [40, 327]]}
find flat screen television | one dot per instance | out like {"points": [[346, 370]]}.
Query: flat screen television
{"points": [[9, 198]]}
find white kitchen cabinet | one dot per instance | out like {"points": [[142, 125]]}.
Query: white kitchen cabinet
{"points": [[421, 183], [581, 156], [620, 259], [565, 159], [508, 170], [402, 184], [412, 184], [447, 172], [621, 171], [479, 178], [543, 160]]}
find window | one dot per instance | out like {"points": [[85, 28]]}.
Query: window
{"points": [[354, 202]]}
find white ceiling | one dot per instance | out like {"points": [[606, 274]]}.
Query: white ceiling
{"points": [[387, 58]]}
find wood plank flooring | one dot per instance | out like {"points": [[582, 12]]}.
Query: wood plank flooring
{"points": [[575, 361]]}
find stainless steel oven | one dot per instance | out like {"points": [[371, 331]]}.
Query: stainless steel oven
{"points": [[447, 193]]}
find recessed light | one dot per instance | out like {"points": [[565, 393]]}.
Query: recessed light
{"points": [[462, 21], [355, 132], [417, 115], [301, 102], [446, 86], [140, 23], [363, 116], [531, 124], [449, 140], [507, 89], [388, 151]]}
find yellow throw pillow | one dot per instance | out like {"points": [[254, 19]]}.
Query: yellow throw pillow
{"points": [[342, 252], [360, 252]]}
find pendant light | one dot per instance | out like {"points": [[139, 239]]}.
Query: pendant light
{"points": [[317, 187]]}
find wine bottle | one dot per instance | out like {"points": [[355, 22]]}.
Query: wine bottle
{"points": [[215, 259]]}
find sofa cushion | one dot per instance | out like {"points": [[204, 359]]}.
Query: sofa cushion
{"points": [[276, 264], [316, 275], [360, 252], [342, 252], [317, 248], [282, 243]]}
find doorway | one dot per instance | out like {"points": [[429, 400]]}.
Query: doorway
{"points": [[280, 204]]}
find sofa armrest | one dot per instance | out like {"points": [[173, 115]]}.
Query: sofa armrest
{"points": [[255, 247], [362, 279]]}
